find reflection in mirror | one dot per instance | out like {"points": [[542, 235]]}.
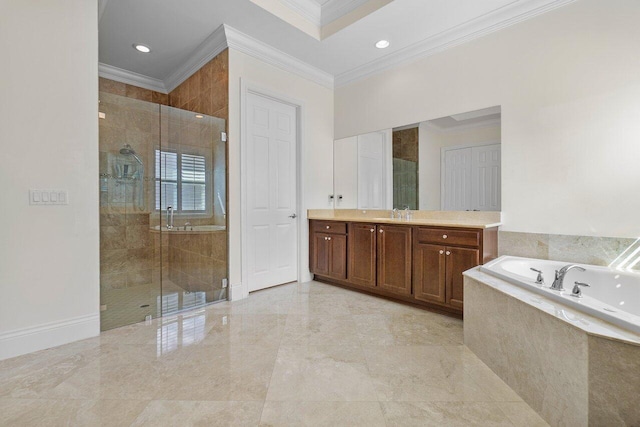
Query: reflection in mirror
{"points": [[405, 167], [451, 163], [459, 162]]}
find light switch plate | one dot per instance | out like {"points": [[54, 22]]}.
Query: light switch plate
{"points": [[48, 197]]}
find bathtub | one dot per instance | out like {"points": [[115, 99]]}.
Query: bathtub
{"points": [[613, 295], [191, 229]]}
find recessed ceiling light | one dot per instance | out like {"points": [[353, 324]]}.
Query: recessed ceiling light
{"points": [[382, 44], [141, 48], [199, 116]]}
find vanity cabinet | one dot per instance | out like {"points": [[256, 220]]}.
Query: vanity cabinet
{"points": [[328, 252], [438, 273], [363, 244], [394, 259], [441, 255], [416, 264], [380, 257]]}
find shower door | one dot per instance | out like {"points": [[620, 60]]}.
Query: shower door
{"points": [[129, 231], [190, 190], [154, 157]]}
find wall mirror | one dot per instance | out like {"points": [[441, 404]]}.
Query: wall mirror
{"points": [[450, 163]]}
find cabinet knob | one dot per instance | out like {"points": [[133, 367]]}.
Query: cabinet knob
{"points": [[328, 227], [441, 251], [382, 231], [448, 252], [372, 230], [325, 238], [444, 236], [328, 238]]}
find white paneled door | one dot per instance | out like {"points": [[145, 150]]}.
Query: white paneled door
{"points": [[457, 180], [486, 177], [272, 225], [471, 178]]}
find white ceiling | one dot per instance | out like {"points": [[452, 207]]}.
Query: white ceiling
{"points": [[174, 30]]}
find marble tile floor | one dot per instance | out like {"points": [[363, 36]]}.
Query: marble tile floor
{"points": [[295, 355], [133, 304]]}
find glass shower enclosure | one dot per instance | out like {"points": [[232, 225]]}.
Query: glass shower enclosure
{"points": [[163, 234]]}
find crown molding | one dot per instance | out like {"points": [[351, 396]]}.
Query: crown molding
{"points": [[246, 44], [205, 52], [129, 77], [308, 9], [489, 23], [334, 9]]}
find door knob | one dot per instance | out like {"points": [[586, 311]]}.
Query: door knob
{"points": [[293, 216]]}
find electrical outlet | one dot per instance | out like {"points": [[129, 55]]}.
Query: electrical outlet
{"points": [[225, 283]]}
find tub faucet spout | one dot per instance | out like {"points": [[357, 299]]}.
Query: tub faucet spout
{"points": [[557, 283]]}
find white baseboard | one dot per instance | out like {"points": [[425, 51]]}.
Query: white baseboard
{"points": [[236, 292], [27, 340], [306, 276]]}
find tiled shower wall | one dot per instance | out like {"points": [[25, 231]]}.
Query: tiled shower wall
{"points": [[198, 260], [580, 249], [126, 251], [405, 144], [207, 92]]}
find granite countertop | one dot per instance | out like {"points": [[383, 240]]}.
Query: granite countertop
{"points": [[470, 222]]}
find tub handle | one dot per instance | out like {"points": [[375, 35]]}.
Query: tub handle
{"points": [[577, 292], [539, 279]]}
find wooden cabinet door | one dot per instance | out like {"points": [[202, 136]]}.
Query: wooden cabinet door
{"points": [[394, 259], [429, 273], [362, 254], [320, 254], [337, 256], [459, 260]]}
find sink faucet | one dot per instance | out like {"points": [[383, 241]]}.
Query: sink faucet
{"points": [[169, 218], [395, 212], [557, 283], [407, 213], [187, 224]]}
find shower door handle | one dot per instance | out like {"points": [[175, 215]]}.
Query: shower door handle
{"points": [[293, 216]]}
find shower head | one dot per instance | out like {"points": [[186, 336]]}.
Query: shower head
{"points": [[127, 150]]}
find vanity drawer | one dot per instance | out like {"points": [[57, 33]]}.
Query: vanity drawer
{"points": [[330, 227], [445, 236]]}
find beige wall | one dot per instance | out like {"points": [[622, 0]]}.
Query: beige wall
{"points": [[317, 153], [431, 142], [568, 85], [49, 136]]}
